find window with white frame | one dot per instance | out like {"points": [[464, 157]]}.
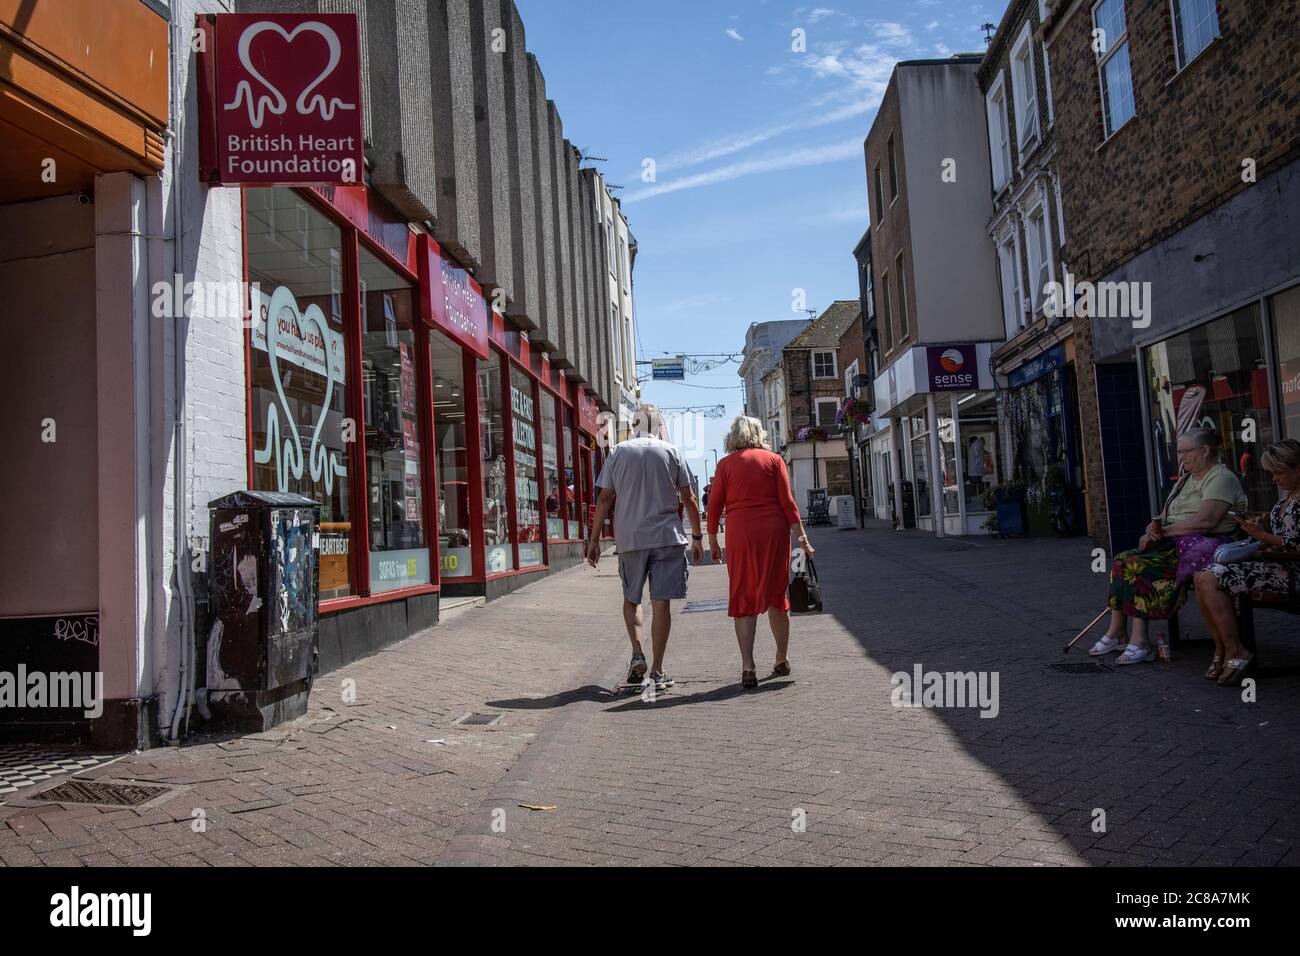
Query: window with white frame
{"points": [[870, 291], [823, 365], [1024, 91], [1047, 83], [622, 262], [627, 267], [850, 375], [826, 409], [609, 244], [616, 336], [629, 352], [1114, 72], [1196, 23], [1040, 254], [1009, 268], [999, 134]]}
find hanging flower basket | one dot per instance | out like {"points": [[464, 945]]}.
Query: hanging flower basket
{"points": [[812, 433], [856, 411]]}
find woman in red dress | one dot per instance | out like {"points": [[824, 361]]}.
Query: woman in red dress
{"points": [[751, 485]]}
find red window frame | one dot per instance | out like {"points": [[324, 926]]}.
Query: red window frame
{"points": [[359, 538]]}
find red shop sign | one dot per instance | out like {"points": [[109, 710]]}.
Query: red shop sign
{"points": [[280, 99], [451, 299]]}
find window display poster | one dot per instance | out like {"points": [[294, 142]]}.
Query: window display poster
{"points": [[408, 381]]}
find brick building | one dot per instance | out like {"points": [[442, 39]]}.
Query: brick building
{"points": [[1039, 402], [1178, 133], [811, 377]]}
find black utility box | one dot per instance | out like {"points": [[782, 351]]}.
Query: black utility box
{"points": [[264, 582]]}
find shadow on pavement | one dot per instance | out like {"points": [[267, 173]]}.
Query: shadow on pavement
{"points": [[1186, 771], [726, 692]]}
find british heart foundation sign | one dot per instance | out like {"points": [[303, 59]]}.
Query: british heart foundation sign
{"points": [[280, 98]]}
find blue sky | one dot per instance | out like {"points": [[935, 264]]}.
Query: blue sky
{"points": [[759, 184]]}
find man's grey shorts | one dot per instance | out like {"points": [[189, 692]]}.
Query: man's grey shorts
{"points": [[666, 567]]}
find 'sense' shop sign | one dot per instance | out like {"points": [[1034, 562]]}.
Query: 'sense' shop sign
{"points": [[280, 99]]}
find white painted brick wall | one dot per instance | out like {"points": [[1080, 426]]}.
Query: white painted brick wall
{"points": [[216, 448]]}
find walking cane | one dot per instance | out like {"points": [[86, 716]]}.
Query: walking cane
{"points": [[1066, 648]]}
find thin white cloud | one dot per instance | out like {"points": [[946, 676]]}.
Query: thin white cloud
{"points": [[820, 13], [794, 159], [892, 33], [932, 25], [731, 32]]}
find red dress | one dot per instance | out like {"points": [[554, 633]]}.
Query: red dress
{"points": [[752, 486]]}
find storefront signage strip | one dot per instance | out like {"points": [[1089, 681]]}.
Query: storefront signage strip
{"points": [[452, 300]]}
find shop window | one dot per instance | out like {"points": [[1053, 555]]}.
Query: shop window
{"points": [[948, 452], [450, 448], [551, 470], [1285, 309], [497, 537], [298, 380], [528, 520], [1196, 23], [838, 478], [981, 460], [1213, 376], [920, 466], [399, 546], [569, 509]]}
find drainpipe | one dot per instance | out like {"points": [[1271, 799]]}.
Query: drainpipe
{"points": [[180, 481]]}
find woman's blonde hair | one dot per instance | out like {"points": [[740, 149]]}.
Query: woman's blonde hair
{"points": [[1281, 454], [746, 432]]}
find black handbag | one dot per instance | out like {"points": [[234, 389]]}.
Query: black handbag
{"points": [[805, 592]]}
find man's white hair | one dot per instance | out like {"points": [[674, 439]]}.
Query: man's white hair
{"points": [[746, 432], [648, 420]]}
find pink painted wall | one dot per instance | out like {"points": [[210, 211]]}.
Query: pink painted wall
{"points": [[48, 498]]}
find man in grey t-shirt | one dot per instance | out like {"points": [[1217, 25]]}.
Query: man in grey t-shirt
{"points": [[645, 480]]}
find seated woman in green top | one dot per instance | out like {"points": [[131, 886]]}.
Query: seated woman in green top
{"points": [[1150, 582]]}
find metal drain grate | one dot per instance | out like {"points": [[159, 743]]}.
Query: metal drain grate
{"points": [[104, 794], [477, 720], [1080, 667]]}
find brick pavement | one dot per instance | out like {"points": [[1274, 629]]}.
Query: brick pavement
{"points": [[1185, 771]]}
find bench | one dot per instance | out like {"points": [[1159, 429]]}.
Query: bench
{"points": [[1288, 602]]}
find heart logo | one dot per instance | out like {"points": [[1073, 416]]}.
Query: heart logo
{"points": [[322, 463], [273, 100]]}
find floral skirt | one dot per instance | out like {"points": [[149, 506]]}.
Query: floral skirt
{"points": [[1153, 584], [1145, 584]]}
